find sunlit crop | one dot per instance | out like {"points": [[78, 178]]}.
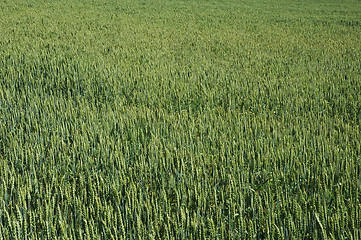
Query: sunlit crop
{"points": [[178, 119]]}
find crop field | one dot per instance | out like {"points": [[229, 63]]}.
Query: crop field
{"points": [[170, 119]]}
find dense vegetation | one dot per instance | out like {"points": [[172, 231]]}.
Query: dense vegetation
{"points": [[180, 119]]}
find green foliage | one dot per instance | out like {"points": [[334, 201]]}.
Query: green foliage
{"points": [[180, 119]]}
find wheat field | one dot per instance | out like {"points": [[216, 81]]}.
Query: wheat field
{"points": [[170, 119]]}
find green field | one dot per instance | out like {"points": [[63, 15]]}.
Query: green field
{"points": [[170, 119]]}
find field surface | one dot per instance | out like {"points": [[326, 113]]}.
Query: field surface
{"points": [[167, 119]]}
